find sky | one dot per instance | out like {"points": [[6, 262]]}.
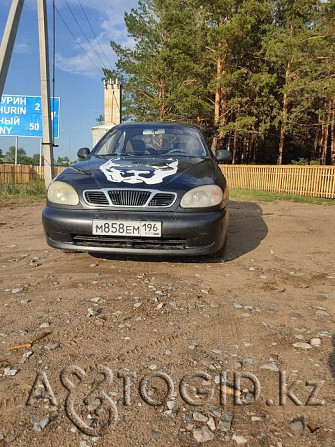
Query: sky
{"points": [[78, 80]]}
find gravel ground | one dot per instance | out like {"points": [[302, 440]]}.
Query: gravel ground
{"points": [[167, 352]]}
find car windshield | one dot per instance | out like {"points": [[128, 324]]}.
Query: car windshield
{"points": [[152, 140]]}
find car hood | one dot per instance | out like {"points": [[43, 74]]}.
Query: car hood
{"points": [[170, 173]]}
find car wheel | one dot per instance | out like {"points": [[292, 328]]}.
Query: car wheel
{"points": [[221, 253]]}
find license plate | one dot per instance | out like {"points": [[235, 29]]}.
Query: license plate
{"points": [[127, 228]]}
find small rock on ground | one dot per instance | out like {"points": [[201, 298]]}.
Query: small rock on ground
{"points": [[10, 371], [302, 345], [203, 434], [200, 417], [315, 341], [225, 423], [239, 439], [17, 289], [298, 426]]}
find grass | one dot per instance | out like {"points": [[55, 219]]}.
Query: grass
{"points": [[265, 196], [19, 194]]}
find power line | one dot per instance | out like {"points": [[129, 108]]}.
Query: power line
{"points": [[108, 62], [77, 41], [53, 66], [82, 31]]}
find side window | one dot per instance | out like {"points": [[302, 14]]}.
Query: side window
{"points": [[113, 144]]}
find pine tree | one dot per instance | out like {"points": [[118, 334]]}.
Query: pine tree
{"points": [[164, 74], [288, 53], [257, 76]]}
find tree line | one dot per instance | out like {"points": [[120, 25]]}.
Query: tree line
{"points": [[23, 158], [257, 76]]}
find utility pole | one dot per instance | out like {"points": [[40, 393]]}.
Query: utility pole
{"points": [[8, 40], [45, 90]]}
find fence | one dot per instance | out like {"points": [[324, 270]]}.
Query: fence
{"points": [[315, 181], [23, 173]]}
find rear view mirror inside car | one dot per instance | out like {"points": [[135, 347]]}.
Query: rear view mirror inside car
{"points": [[153, 132]]}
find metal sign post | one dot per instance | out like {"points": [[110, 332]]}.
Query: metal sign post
{"points": [[16, 149], [41, 149]]}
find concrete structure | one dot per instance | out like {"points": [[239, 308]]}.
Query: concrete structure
{"points": [[99, 131], [112, 109], [113, 102]]}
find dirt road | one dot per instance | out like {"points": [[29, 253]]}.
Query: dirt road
{"points": [[173, 333]]}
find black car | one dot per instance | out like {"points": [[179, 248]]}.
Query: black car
{"points": [[146, 188]]}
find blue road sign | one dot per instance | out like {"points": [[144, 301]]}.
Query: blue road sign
{"points": [[21, 116]]}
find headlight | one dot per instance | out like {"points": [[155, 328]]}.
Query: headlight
{"points": [[202, 197], [63, 193]]}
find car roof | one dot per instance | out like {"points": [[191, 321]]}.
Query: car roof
{"points": [[154, 123]]}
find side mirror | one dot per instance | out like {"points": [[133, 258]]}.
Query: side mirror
{"points": [[83, 153], [223, 156]]}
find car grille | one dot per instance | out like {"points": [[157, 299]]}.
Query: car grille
{"points": [[161, 199], [129, 198], [113, 242], [96, 198]]}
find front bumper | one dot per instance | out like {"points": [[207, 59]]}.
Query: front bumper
{"points": [[183, 234]]}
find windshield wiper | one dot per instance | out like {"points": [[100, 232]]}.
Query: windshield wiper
{"points": [[116, 155]]}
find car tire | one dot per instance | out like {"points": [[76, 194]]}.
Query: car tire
{"points": [[221, 253]]}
